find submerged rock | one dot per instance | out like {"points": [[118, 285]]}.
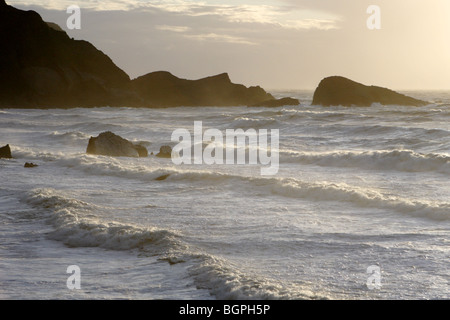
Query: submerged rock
{"points": [[277, 103], [165, 152], [110, 144], [5, 152], [30, 165], [335, 91], [163, 177]]}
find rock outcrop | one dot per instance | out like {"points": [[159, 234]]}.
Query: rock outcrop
{"points": [[41, 66], [165, 152], [277, 103], [110, 144], [30, 165], [142, 151], [335, 91], [5, 152], [166, 90]]}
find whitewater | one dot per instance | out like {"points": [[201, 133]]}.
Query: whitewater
{"points": [[356, 188]]}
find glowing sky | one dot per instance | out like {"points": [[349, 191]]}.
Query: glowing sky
{"points": [[278, 44]]}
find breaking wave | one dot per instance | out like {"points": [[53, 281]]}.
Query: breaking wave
{"points": [[286, 187], [401, 160], [69, 137], [76, 226]]}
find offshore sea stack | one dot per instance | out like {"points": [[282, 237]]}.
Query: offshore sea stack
{"points": [[110, 144], [166, 90], [340, 91]]}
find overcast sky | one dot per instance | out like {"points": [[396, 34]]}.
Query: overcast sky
{"points": [[278, 44]]}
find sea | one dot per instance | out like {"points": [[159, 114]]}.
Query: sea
{"points": [[358, 210]]}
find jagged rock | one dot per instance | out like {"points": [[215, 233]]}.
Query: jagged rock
{"points": [[110, 144], [165, 152], [30, 165], [166, 90], [5, 152], [277, 103], [345, 92]]}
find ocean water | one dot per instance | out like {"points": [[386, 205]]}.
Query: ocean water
{"points": [[356, 188]]}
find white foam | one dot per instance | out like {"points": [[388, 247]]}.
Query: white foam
{"points": [[226, 282], [363, 197], [77, 226], [286, 187], [401, 160]]}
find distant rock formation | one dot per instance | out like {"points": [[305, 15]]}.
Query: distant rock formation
{"points": [[165, 152], [164, 89], [110, 144], [5, 152], [41, 66], [277, 103], [335, 91]]}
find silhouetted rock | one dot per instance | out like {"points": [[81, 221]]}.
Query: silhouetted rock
{"points": [[30, 165], [42, 67], [110, 144], [165, 152], [5, 152], [277, 103], [165, 90], [342, 91]]}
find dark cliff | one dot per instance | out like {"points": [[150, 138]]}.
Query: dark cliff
{"points": [[40, 66]]}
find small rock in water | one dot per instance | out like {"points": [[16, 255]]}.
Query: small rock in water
{"points": [[163, 177], [165, 152], [277, 103], [30, 165], [110, 144], [5, 152], [142, 151]]}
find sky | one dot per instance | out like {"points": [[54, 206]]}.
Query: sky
{"points": [[277, 44]]}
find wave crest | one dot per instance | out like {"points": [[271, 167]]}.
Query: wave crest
{"points": [[76, 225], [401, 160]]}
